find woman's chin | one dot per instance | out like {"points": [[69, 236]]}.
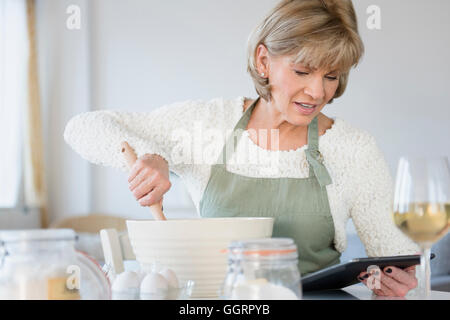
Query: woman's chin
{"points": [[302, 121]]}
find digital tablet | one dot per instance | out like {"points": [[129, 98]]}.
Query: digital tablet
{"points": [[345, 274]]}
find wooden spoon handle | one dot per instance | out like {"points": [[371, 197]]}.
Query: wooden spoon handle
{"points": [[130, 157]]}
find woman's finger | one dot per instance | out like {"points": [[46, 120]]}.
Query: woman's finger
{"points": [[380, 289], [401, 277], [144, 188], [388, 292], [411, 270], [152, 197], [142, 175], [137, 167], [362, 276], [397, 289], [378, 292]]}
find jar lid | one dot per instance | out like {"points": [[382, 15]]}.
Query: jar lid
{"points": [[267, 248], [37, 234]]}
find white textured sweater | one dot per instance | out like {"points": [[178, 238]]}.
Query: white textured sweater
{"points": [[362, 187]]}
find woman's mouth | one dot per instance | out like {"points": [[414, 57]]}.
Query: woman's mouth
{"points": [[305, 108]]}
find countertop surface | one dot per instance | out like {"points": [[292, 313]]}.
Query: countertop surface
{"points": [[361, 292]]}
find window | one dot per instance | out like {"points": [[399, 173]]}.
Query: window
{"points": [[13, 95]]}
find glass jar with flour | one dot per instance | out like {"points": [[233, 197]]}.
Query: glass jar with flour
{"points": [[44, 265], [262, 269]]}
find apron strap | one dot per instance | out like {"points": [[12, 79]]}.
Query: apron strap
{"points": [[237, 132], [314, 157]]}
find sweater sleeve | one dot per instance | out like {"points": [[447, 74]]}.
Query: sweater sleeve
{"points": [[370, 209], [97, 135]]}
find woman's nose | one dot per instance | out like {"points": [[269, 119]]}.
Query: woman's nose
{"points": [[315, 89]]}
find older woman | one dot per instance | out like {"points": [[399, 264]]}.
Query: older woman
{"points": [[326, 171]]}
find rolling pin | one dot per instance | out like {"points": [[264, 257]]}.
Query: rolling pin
{"points": [[130, 157]]}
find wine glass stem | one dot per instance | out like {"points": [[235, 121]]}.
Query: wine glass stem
{"points": [[425, 272]]}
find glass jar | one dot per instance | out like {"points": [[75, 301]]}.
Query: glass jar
{"points": [[43, 264], [262, 269]]}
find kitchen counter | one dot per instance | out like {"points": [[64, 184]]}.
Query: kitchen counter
{"points": [[361, 292]]}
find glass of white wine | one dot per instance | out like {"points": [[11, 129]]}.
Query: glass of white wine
{"points": [[422, 206]]}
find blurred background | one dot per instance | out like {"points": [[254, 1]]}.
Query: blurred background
{"points": [[59, 58]]}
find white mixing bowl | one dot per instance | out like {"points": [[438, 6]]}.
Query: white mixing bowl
{"points": [[196, 249]]}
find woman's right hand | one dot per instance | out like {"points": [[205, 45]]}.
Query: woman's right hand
{"points": [[149, 179]]}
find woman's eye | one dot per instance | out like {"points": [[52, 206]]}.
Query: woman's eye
{"points": [[301, 73]]}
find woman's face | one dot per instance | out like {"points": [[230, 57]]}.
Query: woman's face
{"points": [[296, 84]]}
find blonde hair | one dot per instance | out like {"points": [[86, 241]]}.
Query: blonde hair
{"points": [[317, 33]]}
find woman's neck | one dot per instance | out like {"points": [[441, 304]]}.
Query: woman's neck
{"points": [[267, 121], [266, 118]]}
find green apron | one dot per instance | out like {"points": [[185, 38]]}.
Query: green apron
{"points": [[299, 205]]}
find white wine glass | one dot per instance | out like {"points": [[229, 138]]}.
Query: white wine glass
{"points": [[421, 206]]}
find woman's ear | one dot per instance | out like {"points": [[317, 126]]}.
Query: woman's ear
{"points": [[262, 59]]}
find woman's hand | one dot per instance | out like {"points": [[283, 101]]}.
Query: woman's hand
{"points": [[149, 179], [393, 282]]}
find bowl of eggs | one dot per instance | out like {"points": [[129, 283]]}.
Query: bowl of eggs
{"points": [[164, 285], [153, 285], [196, 250]]}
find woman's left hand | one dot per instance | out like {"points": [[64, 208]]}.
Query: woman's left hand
{"points": [[393, 282]]}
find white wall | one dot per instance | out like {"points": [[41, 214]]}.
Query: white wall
{"points": [[64, 70], [400, 93], [149, 53], [137, 55]]}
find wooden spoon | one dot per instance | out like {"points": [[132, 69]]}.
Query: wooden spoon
{"points": [[130, 157]]}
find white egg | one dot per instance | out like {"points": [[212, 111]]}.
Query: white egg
{"points": [[171, 277], [154, 287], [125, 281], [141, 274]]}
